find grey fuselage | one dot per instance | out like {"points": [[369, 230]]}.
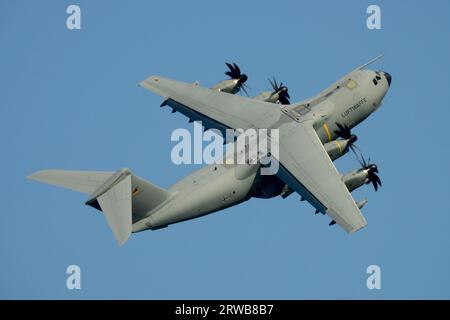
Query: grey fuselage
{"points": [[215, 187]]}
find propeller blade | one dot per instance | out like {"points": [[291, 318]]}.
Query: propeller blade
{"points": [[348, 132], [356, 147], [233, 73], [364, 163], [377, 179], [344, 132], [238, 71], [283, 99], [341, 128], [230, 66], [372, 174], [374, 185], [341, 131], [273, 85], [352, 147], [243, 78], [281, 90], [230, 74], [243, 89]]}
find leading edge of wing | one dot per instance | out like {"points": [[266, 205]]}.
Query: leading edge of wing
{"points": [[306, 167], [228, 110]]}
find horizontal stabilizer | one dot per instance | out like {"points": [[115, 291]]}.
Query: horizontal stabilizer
{"points": [[81, 181], [123, 197]]}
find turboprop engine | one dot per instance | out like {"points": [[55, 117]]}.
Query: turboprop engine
{"points": [[236, 82], [367, 174]]}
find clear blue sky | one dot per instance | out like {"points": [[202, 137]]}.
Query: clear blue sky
{"points": [[70, 100]]}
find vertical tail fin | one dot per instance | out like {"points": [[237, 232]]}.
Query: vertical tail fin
{"points": [[116, 205]]}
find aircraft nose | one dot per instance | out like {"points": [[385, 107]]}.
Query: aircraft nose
{"points": [[388, 78]]}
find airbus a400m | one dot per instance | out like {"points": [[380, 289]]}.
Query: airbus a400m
{"points": [[312, 134]]}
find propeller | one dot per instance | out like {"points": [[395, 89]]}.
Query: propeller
{"points": [[372, 173], [235, 73], [344, 132], [282, 91]]}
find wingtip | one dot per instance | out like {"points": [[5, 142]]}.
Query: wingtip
{"points": [[35, 175], [142, 84], [357, 228], [123, 238], [120, 243], [30, 176], [148, 80], [152, 83]]}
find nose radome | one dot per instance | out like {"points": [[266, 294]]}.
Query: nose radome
{"points": [[388, 78]]}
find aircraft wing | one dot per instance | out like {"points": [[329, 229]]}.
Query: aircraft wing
{"points": [[304, 164], [306, 167], [215, 109]]}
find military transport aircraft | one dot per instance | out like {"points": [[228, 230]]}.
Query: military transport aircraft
{"points": [[312, 134]]}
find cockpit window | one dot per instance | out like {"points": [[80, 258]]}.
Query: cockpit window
{"points": [[374, 80]]}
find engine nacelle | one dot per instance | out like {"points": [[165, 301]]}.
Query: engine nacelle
{"points": [[336, 148], [267, 96], [228, 86], [356, 179], [360, 204]]}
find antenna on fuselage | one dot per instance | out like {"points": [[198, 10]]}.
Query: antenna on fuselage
{"points": [[370, 62]]}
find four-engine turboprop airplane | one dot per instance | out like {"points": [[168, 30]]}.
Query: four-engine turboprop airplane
{"points": [[312, 133]]}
